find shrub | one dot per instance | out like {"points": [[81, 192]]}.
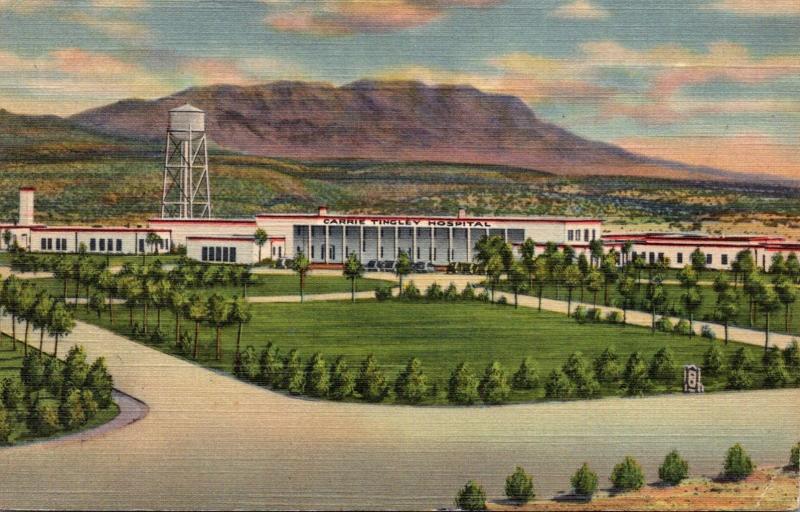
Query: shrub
{"points": [[451, 292], [794, 457], [707, 332], [740, 360], [75, 368], [5, 428], [739, 379], [558, 386], [411, 384], [270, 366], [627, 475], [664, 324], [89, 404], [32, 372], [343, 382], [411, 292], [594, 315], [484, 296], [43, 418], [576, 369], [468, 293], [712, 360], [519, 486], [12, 394], [383, 293], [502, 301], [371, 383], [614, 317], [683, 328], [674, 469], [53, 377], [317, 378], [791, 356], [662, 366], [493, 387], [775, 375], [462, 388], [434, 292], [70, 411], [292, 374], [584, 481], [471, 497], [634, 378], [157, 336], [737, 463], [606, 366], [580, 314], [526, 377], [100, 383], [247, 366]]}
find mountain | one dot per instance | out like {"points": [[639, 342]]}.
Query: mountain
{"points": [[392, 121]]}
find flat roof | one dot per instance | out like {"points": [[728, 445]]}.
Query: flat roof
{"points": [[203, 221], [542, 218], [103, 229]]}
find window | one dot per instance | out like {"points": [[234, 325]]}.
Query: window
{"points": [[92, 244], [63, 244], [724, 259], [280, 250], [417, 252], [381, 256], [517, 236], [218, 255], [586, 234], [58, 244], [661, 256], [312, 252], [211, 256], [224, 254], [680, 257], [110, 244], [141, 245], [578, 235], [434, 253], [102, 244], [570, 235], [119, 245], [204, 254], [333, 252], [44, 244], [273, 251], [709, 259], [652, 258], [233, 254], [593, 234]]}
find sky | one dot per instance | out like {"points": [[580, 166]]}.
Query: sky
{"points": [[710, 82]]}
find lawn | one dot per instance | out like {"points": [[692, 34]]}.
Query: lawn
{"points": [[440, 334], [10, 364]]}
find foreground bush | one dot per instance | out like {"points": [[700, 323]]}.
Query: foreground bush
{"points": [[471, 497], [462, 388], [584, 481], [794, 457], [627, 475], [674, 469], [738, 464], [519, 486]]}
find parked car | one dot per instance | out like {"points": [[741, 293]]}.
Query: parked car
{"points": [[283, 263], [387, 265], [423, 267], [372, 266]]}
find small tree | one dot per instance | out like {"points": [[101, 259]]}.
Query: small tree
{"points": [[260, 237], [196, 311], [471, 497], [713, 360], [627, 293], [775, 375], [353, 270], [317, 376], [32, 373], [794, 457], [572, 278], [493, 387], [558, 386], [270, 366], [371, 383], [43, 418], [635, 379], [692, 300], [239, 314], [301, 266], [627, 475], [584, 481], [674, 469], [787, 295], [411, 385], [517, 280], [526, 377], [606, 366], [738, 464], [698, 259], [519, 486], [463, 386], [100, 382], [75, 368], [403, 267], [662, 366], [218, 314], [343, 381], [5, 428], [727, 309], [494, 269], [70, 412], [293, 376], [60, 323]]}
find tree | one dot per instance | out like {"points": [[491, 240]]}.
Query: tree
{"points": [[107, 282], [527, 252], [526, 377], [260, 237], [576, 369], [131, 291], [768, 303], [411, 384], [698, 259], [100, 382], [219, 315], [793, 267], [635, 378], [674, 469], [342, 380], [97, 302], [63, 271], [160, 298], [75, 368], [43, 418], [70, 412], [775, 375], [9, 298], [655, 297], [558, 386], [270, 366], [354, 270], [610, 272], [594, 282], [572, 279], [584, 481], [753, 287], [371, 383], [794, 457], [691, 303], [738, 464], [493, 387], [555, 267], [403, 267], [727, 309], [178, 302], [596, 251], [627, 294], [712, 360], [196, 311], [5, 427], [519, 486], [301, 266], [153, 240], [494, 269], [471, 497], [687, 277], [662, 366], [627, 475], [239, 314], [317, 378], [540, 276], [787, 295], [777, 265], [791, 356], [41, 317], [32, 373], [462, 386], [293, 375], [606, 366], [26, 306], [12, 394], [61, 323], [517, 279]]}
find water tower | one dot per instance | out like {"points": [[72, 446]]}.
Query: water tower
{"points": [[187, 191]]}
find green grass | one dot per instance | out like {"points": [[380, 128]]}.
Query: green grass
{"points": [[440, 334], [10, 364]]}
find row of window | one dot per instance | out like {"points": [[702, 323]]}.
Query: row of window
{"points": [[515, 236], [651, 257], [221, 254], [105, 245], [574, 235], [96, 244], [47, 244]]}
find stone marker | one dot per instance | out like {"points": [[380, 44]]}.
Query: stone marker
{"points": [[691, 379]]}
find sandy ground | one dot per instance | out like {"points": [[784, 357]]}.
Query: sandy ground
{"points": [[210, 441]]}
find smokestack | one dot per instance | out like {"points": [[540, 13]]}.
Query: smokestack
{"points": [[322, 211], [462, 213], [26, 206]]}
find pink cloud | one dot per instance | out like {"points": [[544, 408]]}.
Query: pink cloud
{"points": [[757, 7], [581, 9]]}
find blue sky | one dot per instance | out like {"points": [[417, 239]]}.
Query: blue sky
{"points": [[705, 81]]}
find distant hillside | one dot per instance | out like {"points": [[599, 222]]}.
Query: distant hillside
{"points": [[389, 121]]}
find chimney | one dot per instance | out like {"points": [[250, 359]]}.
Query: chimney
{"points": [[323, 211], [462, 213], [26, 206]]}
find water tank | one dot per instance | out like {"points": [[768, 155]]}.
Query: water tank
{"points": [[184, 119]]}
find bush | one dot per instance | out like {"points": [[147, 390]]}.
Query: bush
{"points": [[707, 332], [12, 394], [493, 387], [584, 481], [614, 317], [53, 376], [664, 324], [683, 328], [627, 475], [527, 377], [468, 293], [411, 384], [75, 368], [739, 379], [343, 382], [292, 374], [794, 457], [594, 315], [89, 404], [383, 293], [5, 427], [502, 301], [32, 372], [662, 366], [580, 315], [606, 366], [558, 386], [775, 375], [43, 418], [371, 383], [737, 463], [471, 497], [270, 367], [100, 383], [712, 360], [462, 388], [246, 365], [484, 296], [411, 292], [434, 292], [634, 379], [317, 377], [451, 292], [791, 356], [519, 486], [674, 469], [70, 411]]}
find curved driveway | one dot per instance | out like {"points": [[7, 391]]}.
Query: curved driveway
{"points": [[210, 441]]}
